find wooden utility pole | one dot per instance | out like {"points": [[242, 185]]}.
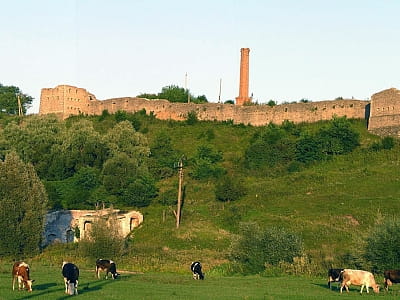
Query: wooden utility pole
{"points": [[20, 112], [180, 185]]}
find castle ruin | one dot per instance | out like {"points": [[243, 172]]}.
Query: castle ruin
{"points": [[66, 226], [66, 100]]}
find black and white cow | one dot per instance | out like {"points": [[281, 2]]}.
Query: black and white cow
{"points": [[71, 275], [196, 269], [108, 266], [334, 275]]}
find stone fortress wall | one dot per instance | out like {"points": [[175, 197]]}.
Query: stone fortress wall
{"points": [[383, 111]]}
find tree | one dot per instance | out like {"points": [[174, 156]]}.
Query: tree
{"points": [[174, 93], [163, 156], [23, 202], [9, 100], [205, 163], [33, 140]]}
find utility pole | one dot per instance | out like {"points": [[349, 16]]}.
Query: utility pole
{"points": [[20, 112], [180, 185], [186, 89], [219, 95]]}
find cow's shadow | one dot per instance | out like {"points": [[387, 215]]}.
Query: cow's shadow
{"points": [[43, 290], [45, 286]]}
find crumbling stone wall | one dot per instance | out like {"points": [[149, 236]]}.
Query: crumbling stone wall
{"points": [[385, 112], [62, 226], [67, 100]]}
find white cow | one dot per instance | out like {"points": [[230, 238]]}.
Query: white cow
{"points": [[358, 277]]}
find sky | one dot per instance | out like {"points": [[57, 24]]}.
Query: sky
{"points": [[299, 49]]}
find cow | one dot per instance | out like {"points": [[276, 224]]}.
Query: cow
{"points": [[108, 266], [358, 277], [391, 276], [70, 273], [195, 267], [334, 275], [20, 272]]}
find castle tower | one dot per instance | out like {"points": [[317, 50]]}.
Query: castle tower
{"points": [[244, 77]]}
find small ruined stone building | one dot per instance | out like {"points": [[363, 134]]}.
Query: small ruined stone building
{"points": [[67, 226]]}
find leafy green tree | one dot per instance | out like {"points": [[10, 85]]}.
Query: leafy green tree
{"points": [[9, 100], [33, 140], [206, 163], [123, 138], [140, 192], [174, 93], [119, 171], [75, 191], [81, 146], [163, 156], [23, 202], [382, 250]]}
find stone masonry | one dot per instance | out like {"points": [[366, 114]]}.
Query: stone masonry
{"points": [[63, 226], [244, 78], [65, 101]]}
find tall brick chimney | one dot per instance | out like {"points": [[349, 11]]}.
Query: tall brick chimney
{"points": [[244, 77]]}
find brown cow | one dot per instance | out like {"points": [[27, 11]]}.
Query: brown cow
{"points": [[20, 272], [391, 276], [358, 277]]}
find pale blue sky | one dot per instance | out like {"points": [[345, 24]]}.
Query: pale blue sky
{"points": [[312, 49]]}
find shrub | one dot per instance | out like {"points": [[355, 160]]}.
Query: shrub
{"points": [[256, 247], [382, 246], [229, 189], [103, 240], [191, 118]]}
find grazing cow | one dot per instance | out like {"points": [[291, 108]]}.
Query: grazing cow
{"points": [[71, 275], [391, 276], [196, 269], [334, 275], [108, 266], [20, 272], [358, 277]]}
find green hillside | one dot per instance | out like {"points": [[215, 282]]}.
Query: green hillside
{"points": [[332, 204]]}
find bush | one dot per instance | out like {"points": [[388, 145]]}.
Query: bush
{"points": [[104, 240], [338, 137], [382, 247], [192, 118], [256, 247], [229, 189]]}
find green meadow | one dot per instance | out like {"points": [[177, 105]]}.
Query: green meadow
{"points": [[49, 285]]}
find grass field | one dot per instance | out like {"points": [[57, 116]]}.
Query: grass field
{"points": [[153, 286]]}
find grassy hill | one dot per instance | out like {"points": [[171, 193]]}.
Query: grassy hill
{"points": [[332, 204]]}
